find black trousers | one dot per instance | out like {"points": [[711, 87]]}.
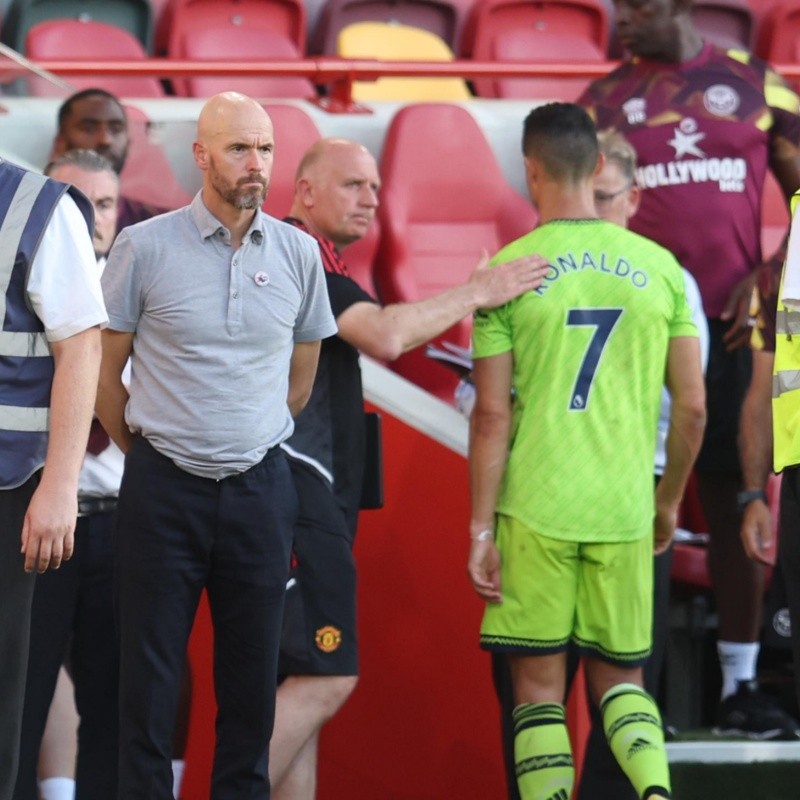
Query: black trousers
{"points": [[789, 557], [178, 534], [16, 595], [73, 620]]}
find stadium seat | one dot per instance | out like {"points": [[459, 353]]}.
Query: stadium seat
{"points": [[295, 132], [88, 40], [230, 43], [441, 17], [392, 42], [774, 216], [491, 20], [727, 23], [135, 16], [279, 17], [148, 175], [531, 45], [779, 36], [428, 245]]}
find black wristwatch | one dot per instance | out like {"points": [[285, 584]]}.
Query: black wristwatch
{"points": [[743, 499]]}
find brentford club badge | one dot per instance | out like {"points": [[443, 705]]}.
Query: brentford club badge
{"points": [[721, 100]]}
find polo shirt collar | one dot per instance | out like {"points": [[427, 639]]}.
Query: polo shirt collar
{"points": [[208, 225]]}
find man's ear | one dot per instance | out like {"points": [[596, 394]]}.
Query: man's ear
{"points": [[200, 154], [598, 167], [531, 169], [59, 146], [304, 190], [634, 199], [532, 172]]}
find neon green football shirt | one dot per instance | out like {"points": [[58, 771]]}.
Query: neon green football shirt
{"points": [[589, 349]]}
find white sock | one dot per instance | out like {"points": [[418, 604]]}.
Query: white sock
{"points": [[738, 663], [57, 789], [178, 765]]}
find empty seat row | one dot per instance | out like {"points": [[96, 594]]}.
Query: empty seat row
{"points": [[727, 22], [510, 31]]}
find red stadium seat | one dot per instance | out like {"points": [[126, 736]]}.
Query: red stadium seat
{"points": [[437, 215], [135, 16], [442, 17], [779, 36], [774, 216], [531, 45], [88, 40], [491, 20], [279, 17], [295, 132], [148, 175], [231, 43], [727, 23]]}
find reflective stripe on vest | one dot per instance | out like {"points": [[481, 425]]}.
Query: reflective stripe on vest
{"points": [[18, 343]]}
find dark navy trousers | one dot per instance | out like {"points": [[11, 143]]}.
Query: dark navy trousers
{"points": [[177, 534], [16, 595]]}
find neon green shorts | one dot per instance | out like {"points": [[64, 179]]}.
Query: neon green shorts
{"points": [[598, 595]]}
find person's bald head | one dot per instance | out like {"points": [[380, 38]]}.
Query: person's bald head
{"points": [[234, 148], [336, 190]]}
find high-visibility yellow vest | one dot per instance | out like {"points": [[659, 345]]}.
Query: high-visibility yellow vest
{"points": [[786, 375]]}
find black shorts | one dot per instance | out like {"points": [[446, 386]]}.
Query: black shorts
{"points": [[727, 379], [319, 624]]}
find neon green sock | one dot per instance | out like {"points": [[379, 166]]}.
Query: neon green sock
{"points": [[633, 729], [542, 752]]}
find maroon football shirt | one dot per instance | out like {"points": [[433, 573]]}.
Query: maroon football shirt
{"points": [[703, 130]]}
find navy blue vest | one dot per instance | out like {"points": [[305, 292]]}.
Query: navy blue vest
{"points": [[27, 201]]}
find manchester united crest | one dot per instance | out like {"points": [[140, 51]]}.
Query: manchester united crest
{"points": [[328, 638]]}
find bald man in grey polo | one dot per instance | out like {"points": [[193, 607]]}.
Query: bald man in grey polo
{"points": [[207, 500], [212, 345]]}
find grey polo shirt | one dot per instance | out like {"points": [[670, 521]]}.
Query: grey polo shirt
{"points": [[213, 332]]}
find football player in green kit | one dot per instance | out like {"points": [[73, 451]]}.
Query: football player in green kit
{"points": [[564, 519]]}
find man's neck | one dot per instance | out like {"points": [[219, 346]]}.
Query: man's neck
{"points": [[687, 44], [236, 220], [566, 203], [300, 215]]}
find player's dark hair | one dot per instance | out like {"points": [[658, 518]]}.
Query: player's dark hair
{"points": [[563, 138]]}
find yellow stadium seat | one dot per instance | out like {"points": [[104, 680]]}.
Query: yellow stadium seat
{"points": [[389, 41]]}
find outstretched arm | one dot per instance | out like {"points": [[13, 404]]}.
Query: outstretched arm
{"points": [[388, 332]]}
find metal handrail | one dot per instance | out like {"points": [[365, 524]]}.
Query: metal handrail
{"points": [[338, 74]]}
